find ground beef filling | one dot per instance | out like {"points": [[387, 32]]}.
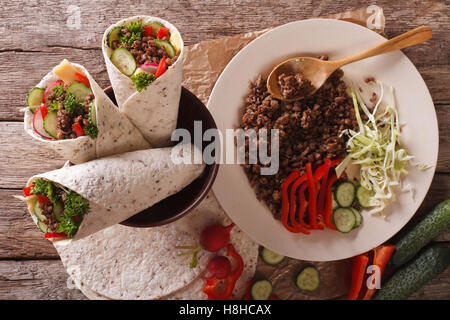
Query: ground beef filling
{"points": [[146, 50], [47, 211], [308, 132], [65, 127], [292, 86]]}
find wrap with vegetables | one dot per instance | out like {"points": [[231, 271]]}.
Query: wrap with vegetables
{"points": [[76, 201], [143, 57], [135, 263], [68, 112]]}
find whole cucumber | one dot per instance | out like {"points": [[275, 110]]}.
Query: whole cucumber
{"points": [[430, 227], [410, 278]]}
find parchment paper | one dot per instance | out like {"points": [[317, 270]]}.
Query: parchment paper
{"points": [[203, 63]]}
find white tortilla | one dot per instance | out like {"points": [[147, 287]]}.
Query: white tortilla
{"points": [[154, 110], [174, 280], [117, 187], [116, 134]]}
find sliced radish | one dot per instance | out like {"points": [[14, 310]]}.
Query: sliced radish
{"points": [[50, 87], [38, 124], [149, 67]]}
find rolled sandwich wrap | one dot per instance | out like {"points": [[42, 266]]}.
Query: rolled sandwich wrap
{"points": [[112, 189], [113, 132], [148, 97], [135, 263]]}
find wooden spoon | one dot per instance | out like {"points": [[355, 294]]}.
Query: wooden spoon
{"points": [[317, 71]]}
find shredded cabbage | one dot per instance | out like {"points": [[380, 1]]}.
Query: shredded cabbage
{"points": [[377, 149]]}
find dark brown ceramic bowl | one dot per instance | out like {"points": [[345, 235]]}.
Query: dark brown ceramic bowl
{"points": [[178, 205]]}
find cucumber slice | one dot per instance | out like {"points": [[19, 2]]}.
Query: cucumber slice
{"points": [[271, 257], [345, 194], [58, 209], [113, 35], [334, 205], [344, 219], [308, 279], [363, 196], [42, 226], [358, 217], [35, 97], [261, 290], [124, 61], [170, 50], [436, 222], [93, 113], [50, 124], [38, 212], [79, 90], [155, 27]]}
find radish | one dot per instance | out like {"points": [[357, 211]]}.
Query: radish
{"points": [[50, 87], [38, 124], [149, 67], [219, 267]]}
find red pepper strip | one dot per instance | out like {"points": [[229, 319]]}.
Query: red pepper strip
{"points": [[335, 162], [82, 78], [55, 235], [78, 130], [162, 32], [161, 67], [27, 191], [381, 257], [44, 110], [230, 280], [148, 31], [293, 205], [359, 266], [285, 203], [303, 205], [43, 199], [312, 207], [322, 190], [328, 212]]}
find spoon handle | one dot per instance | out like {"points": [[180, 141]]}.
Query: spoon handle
{"points": [[404, 40]]}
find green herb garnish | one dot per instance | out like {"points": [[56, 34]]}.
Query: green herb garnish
{"points": [[136, 30], [58, 90], [75, 207], [142, 80], [53, 106], [91, 131], [44, 187], [72, 106]]}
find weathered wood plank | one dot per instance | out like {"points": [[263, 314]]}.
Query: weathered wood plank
{"points": [[47, 279], [35, 280], [49, 37], [23, 156], [21, 239]]}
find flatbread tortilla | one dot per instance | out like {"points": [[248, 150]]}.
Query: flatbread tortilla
{"points": [[116, 134], [154, 110], [131, 263], [117, 187]]}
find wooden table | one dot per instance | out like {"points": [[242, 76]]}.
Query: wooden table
{"points": [[36, 35]]}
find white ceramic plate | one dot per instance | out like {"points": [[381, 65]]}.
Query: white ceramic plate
{"points": [[337, 39]]}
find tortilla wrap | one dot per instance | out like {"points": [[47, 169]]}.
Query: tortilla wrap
{"points": [[131, 263], [154, 110], [116, 134], [117, 187]]}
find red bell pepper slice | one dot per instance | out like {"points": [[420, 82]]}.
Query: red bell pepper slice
{"points": [[293, 205], [55, 235], [44, 110], [328, 211], [285, 202], [43, 199], [162, 32], [148, 31], [230, 280], [303, 205], [78, 129], [382, 255], [312, 207], [359, 266], [322, 191], [161, 67], [82, 78], [27, 191]]}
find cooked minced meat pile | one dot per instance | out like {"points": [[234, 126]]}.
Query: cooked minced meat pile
{"points": [[294, 85], [308, 131]]}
